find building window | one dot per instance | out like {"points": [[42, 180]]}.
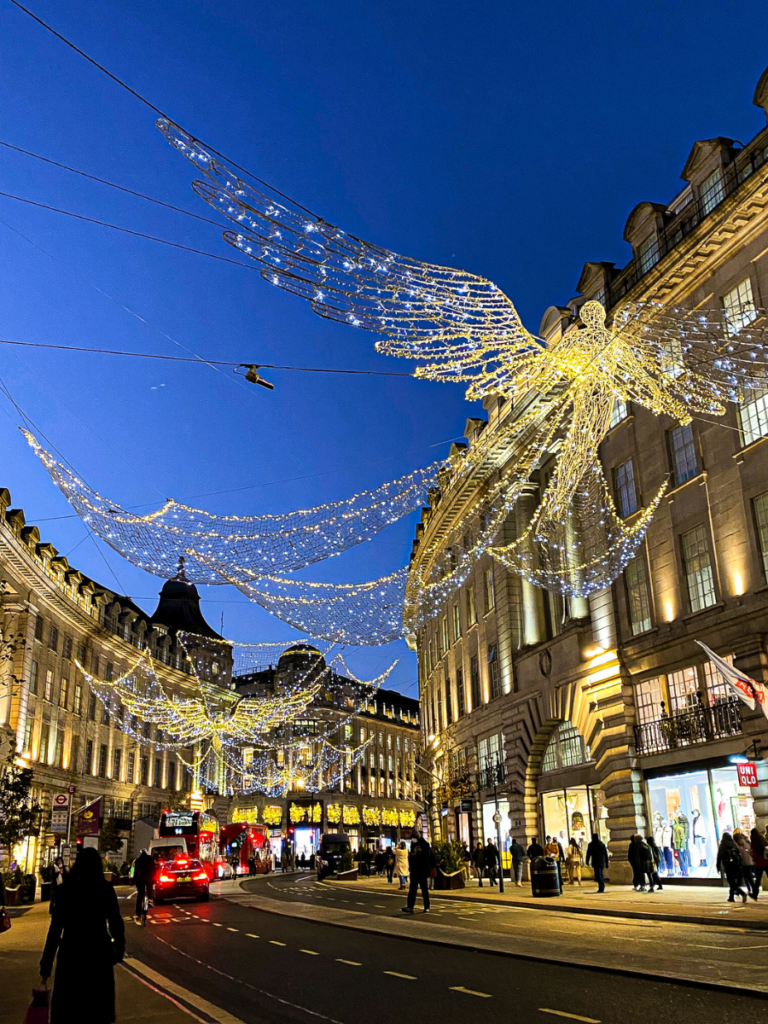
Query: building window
{"points": [[33, 678], [26, 749], [460, 693], [439, 707], [648, 253], [117, 757], [494, 672], [64, 693], [474, 681], [456, 622], [761, 518], [565, 750], [92, 708], [698, 570], [739, 306], [753, 416], [104, 715], [94, 664], [131, 769], [683, 449], [49, 684], [78, 702], [444, 634], [648, 701], [712, 192], [717, 689], [158, 780], [172, 775], [89, 757], [103, 761], [683, 686], [144, 766], [53, 638], [448, 701], [39, 628], [490, 590], [66, 651], [619, 412], [109, 672], [45, 736], [58, 756], [81, 654], [624, 483], [637, 594], [471, 606]]}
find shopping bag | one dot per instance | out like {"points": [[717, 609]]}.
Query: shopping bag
{"points": [[38, 1009], [5, 921]]}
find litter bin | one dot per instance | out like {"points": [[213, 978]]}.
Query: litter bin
{"points": [[545, 878], [27, 889]]}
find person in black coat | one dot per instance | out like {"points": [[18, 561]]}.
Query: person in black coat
{"points": [[597, 857], [641, 860], [729, 864], [491, 861], [84, 949], [143, 879], [420, 861], [535, 849]]}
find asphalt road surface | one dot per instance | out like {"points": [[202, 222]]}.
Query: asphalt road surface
{"points": [[263, 967]]}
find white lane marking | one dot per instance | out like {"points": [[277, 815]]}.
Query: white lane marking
{"points": [[216, 924], [233, 929], [352, 963], [470, 991], [274, 942], [249, 936], [309, 952], [736, 949], [396, 974], [572, 1016], [380, 906], [359, 904]]}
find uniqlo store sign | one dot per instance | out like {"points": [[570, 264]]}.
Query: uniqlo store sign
{"points": [[747, 774]]}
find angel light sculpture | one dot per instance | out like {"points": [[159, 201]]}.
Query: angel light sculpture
{"points": [[462, 328]]}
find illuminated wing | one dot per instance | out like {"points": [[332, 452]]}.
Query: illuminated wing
{"points": [[705, 357], [461, 325]]}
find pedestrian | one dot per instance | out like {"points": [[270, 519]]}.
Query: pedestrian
{"points": [[57, 880], [656, 855], [747, 862], [465, 860], [573, 861], [597, 857], [759, 845], [552, 848], [378, 861], [729, 864], [478, 861], [389, 863], [420, 862], [535, 849], [143, 877], [491, 855], [641, 860], [87, 938], [517, 853], [401, 864], [252, 865]]}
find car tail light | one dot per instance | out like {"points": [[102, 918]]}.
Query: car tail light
{"points": [[165, 878], [202, 877]]}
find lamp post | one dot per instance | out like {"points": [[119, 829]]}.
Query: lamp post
{"points": [[495, 773]]}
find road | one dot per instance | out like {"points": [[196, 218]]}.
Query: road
{"points": [[260, 966]]}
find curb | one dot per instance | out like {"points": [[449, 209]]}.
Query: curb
{"points": [[469, 947]]}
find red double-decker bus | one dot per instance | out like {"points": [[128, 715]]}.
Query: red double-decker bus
{"points": [[239, 841], [200, 832]]}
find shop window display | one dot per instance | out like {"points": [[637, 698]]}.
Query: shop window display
{"points": [[690, 812], [568, 815]]}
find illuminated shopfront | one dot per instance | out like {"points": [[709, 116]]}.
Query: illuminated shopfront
{"points": [[571, 807], [690, 811]]}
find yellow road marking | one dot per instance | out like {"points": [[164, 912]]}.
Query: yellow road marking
{"points": [[233, 929], [396, 974], [470, 991], [249, 936], [311, 952], [274, 942], [352, 963], [571, 1016], [216, 924]]}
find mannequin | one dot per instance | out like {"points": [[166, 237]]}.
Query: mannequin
{"points": [[680, 831], [699, 833]]}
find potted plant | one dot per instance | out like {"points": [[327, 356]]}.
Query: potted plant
{"points": [[448, 857]]}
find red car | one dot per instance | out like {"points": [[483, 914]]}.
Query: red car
{"points": [[182, 876]]}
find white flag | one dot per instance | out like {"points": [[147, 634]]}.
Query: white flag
{"points": [[750, 691]]}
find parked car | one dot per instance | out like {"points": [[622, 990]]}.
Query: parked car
{"points": [[331, 852], [180, 877]]}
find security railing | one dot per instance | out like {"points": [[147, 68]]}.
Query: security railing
{"points": [[699, 724]]}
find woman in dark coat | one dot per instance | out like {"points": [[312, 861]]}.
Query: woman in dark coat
{"points": [[85, 978], [729, 864]]}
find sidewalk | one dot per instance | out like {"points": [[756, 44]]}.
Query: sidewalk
{"points": [[20, 950], [687, 904]]}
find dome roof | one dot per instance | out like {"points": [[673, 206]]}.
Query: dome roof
{"points": [[179, 607]]}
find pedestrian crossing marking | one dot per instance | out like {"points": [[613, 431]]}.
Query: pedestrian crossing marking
{"points": [[396, 974], [571, 1016]]}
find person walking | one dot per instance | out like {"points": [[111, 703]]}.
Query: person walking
{"points": [[597, 857], [389, 863], [87, 938], [478, 862], [59, 874], [491, 855], [729, 864], [465, 860], [420, 862], [517, 853], [573, 862], [143, 879], [401, 864], [535, 849], [656, 856], [759, 846], [747, 861], [552, 848], [641, 859]]}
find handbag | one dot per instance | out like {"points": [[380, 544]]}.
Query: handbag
{"points": [[38, 1009], [5, 920]]}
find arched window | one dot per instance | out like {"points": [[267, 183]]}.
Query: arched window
{"points": [[565, 750]]}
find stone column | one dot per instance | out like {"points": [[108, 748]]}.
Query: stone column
{"points": [[532, 597]]}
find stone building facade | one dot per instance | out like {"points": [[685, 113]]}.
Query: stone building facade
{"points": [[603, 714]]}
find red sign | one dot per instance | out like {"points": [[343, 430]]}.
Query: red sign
{"points": [[88, 819], [747, 774], [71, 789]]}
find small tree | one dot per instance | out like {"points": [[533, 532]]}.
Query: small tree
{"points": [[109, 837], [19, 813]]}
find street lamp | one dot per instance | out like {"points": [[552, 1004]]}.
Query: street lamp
{"points": [[496, 773]]}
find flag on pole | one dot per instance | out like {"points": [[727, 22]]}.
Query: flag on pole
{"points": [[748, 689]]}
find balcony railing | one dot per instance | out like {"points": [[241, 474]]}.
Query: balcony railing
{"points": [[491, 775], [699, 724]]}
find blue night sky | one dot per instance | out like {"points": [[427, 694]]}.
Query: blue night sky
{"points": [[508, 139]]}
